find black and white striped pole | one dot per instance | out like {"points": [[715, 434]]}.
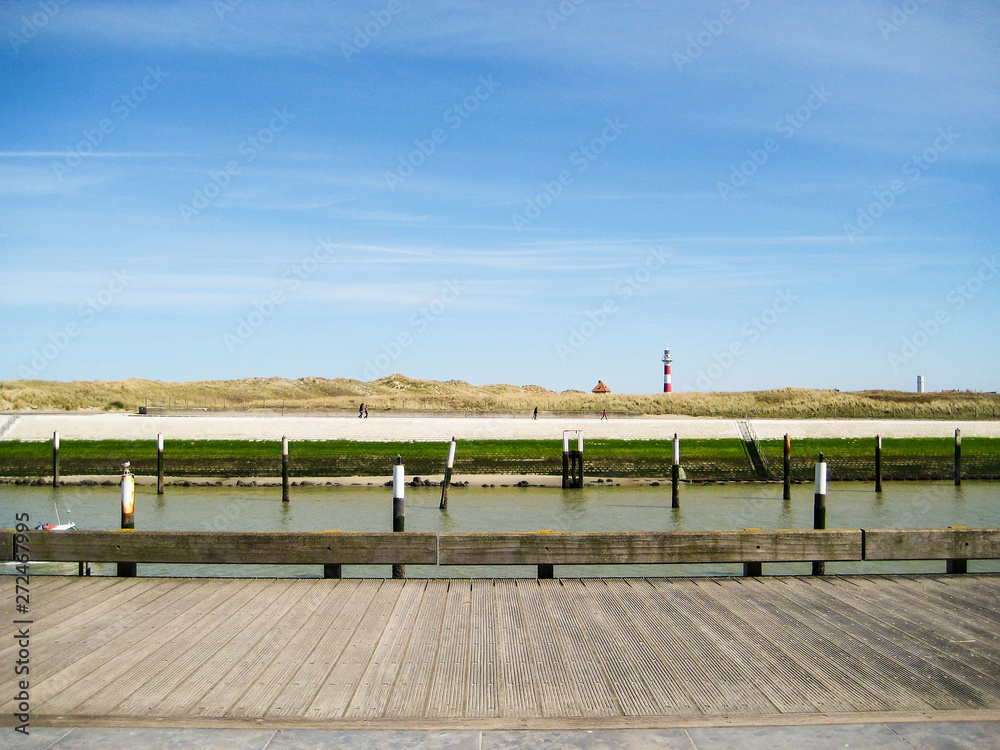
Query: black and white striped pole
{"points": [[55, 459], [819, 510], [675, 475], [398, 513], [159, 463], [284, 469], [786, 466], [878, 463], [958, 458], [447, 474]]}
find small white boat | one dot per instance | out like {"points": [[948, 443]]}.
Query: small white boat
{"points": [[58, 525]]}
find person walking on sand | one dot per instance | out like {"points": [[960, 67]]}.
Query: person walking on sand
{"points": [[605, 414], [366, 412], [361, 411], [534, 414]]}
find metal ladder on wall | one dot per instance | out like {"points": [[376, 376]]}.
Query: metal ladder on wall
{"points": [[751, 445], [6, 425]]}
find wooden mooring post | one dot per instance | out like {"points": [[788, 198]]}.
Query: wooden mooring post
{"points": [[572, 477], [284, 469], [446, 483], [819, 510], [398, 512], [55, 459], [786, 466], [878, 463], [127, 569], [159, 463], [675, 475], [958, 458]]}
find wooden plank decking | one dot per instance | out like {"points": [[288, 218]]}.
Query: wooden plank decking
{"points": [[506, 652]]}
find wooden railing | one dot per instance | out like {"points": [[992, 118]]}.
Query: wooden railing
{"points": [[545, 549]]}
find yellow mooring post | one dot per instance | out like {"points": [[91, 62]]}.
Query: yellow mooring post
{"points": [[127, 569]]}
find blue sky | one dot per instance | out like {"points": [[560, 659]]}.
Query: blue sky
{"points": [[782, 193]]}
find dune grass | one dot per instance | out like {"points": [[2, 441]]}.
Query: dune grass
{"points": [[399, 393]]}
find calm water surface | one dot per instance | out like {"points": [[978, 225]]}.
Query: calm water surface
{"points": [[727, 506]]}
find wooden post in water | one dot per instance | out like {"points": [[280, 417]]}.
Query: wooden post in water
{"points": [[284, 469], [878, 463], [675, 475], [958, 458], [572, 461], [819, 510], [55, 459], [127, 569], [449, 465], [578, 481], [159, 464], [786, 466], [398, 514]]}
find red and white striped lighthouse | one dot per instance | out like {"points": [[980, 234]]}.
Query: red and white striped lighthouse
{"points": [[667, 388]]}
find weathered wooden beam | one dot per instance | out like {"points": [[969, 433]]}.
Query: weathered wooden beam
{"points": [[932, 544], [7, 544], [251, 547], [635, 547]]}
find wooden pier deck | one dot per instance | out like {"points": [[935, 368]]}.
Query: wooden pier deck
{"points": [[516, 653]]}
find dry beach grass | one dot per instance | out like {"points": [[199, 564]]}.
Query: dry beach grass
{"points": [[397, 392]]}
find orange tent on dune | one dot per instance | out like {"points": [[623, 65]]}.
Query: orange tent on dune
{"points": [[601, 388]]}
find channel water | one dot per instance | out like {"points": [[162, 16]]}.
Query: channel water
{"points": [[593, 508]]}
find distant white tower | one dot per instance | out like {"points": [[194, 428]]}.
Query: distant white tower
{"points": [[667, 388], [920, 383]]}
